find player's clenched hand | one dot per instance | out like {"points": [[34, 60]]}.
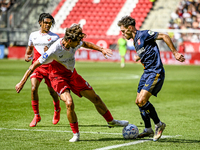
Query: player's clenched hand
{"points": [[19, 87], [107, 52], [28, 57], [179, 57], [136, 58]]}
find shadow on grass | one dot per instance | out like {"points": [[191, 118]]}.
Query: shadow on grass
{"points": [[134, 140], [173, 140], [97, 125], [80, 125], [117, 139]]}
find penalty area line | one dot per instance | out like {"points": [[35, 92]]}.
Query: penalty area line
{"points": [[132, 143]]}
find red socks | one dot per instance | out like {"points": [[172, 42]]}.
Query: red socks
{"points": [[35, 106], [74, 127], [56, 105], [108, 116]]}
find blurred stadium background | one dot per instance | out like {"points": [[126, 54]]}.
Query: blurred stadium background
{"points": [[178, 18]]}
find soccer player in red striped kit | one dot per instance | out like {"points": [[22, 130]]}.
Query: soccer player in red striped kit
{"points": [[64, 77], [38, 40]]}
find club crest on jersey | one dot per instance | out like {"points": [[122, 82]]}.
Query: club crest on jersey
{"points": [[45, 55], [49, 39], [138, 41], [150, 32]]}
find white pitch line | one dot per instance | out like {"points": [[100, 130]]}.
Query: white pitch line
{"points": [[38, 130], [103, 148], [131, 143]]}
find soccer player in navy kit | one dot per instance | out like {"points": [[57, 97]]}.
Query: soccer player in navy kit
{"points": [[153, 77]]}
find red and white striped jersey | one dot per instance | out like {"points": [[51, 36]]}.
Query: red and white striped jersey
{"points": [[40, 40], [62, 55]]}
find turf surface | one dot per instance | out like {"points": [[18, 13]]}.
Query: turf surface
{"points": [[177, 105]]}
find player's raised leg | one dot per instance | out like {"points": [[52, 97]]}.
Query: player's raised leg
{"points": [[102, 109]]}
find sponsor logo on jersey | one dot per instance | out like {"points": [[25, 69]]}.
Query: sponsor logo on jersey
{"points": [[42, 44], [49, 39], [69, 60], [140, 51], [146, 85], [151, 32], [61, 56]]}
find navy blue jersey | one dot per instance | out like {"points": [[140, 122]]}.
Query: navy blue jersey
{"points": [[148, 51]]}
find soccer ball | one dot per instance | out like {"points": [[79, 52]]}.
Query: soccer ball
{"points": [[130, 131]]}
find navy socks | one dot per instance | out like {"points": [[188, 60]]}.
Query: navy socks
{"points": [[148, 111]]}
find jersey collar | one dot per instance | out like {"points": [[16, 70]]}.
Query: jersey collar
{"points": [[43, 33]]}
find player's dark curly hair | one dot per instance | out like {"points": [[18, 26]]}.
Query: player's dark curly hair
{"points": [[126, 21], [46, 15], [74, 33]]}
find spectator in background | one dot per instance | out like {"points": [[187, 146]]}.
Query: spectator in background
{"points": [[4, 7], [186, 17], [181, 46], [122, 46], [198, 6]]}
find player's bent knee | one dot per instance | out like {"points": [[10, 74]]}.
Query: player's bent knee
{"points": [[69, 105], [136, 102], [34, 88], [140, 102]]}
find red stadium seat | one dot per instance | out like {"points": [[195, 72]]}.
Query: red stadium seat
{"points": [[100, 16]]}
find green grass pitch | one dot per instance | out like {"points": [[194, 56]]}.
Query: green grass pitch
{"points": [[177, 105]]}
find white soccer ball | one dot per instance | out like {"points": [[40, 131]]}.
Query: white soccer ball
{"points": [[130, 131]]}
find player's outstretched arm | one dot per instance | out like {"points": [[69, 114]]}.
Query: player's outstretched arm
{"points": [[106, 52], [169, 43], [32, 67], [28, 54]]}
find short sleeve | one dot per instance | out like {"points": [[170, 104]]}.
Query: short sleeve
{"points": [[151, 35], [30, 42]]}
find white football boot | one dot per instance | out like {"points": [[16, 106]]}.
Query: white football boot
{"points": [[114, 123], [75, 137]]}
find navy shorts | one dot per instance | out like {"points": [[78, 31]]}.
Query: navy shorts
{"points": [[152, 82]]}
